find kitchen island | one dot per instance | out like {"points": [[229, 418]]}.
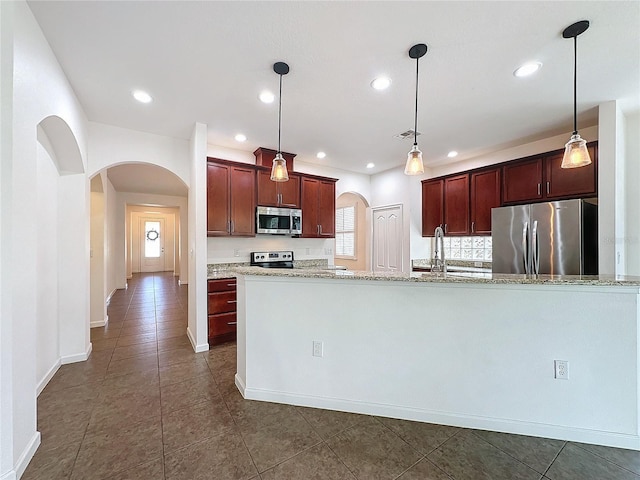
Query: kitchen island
{"points": [[452, 349]]}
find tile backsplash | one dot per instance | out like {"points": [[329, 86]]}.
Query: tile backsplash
{"points": [[467, 248]]}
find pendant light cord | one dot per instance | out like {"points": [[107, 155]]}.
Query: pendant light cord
{"points": [[575, 85], [415, 126], [279, 113]]}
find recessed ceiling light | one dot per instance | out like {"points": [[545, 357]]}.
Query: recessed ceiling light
{"points": [[371, 165], [266, 96], [142, 96], [381, 83], [241, 138], [452, 154], [527, 69], [321, 154]]}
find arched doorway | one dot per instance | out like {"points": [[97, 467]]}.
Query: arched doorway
{"points": [[353, 248], [122, 195]]}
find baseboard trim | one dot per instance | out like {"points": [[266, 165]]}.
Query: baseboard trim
{"points": [[110, 296], [197, 348], [100, 323], [27, 455], [78, 357], [240, 384], [10, 475], [559, 432], [47, 377]]}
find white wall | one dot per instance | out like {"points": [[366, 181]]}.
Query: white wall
{"points": [[632, 201], [98, 259], [197, 329], [111, 261], [112, 146], [40, 90], [611, 196], [6, 283], [47, 323]]}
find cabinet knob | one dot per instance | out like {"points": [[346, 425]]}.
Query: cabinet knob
{"points": [[473, 224]]}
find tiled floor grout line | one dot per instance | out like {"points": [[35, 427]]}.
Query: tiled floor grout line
{"points": [[554, 459], [510, 455]]}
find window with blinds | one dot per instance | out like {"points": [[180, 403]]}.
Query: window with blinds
{"points": [[346, 232]]}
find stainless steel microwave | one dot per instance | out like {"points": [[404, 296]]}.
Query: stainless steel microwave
{"points": [[279, 221]]}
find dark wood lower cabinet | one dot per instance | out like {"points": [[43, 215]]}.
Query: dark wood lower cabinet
{"points": [[221, 309]]}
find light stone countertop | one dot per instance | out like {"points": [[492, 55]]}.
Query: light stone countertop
{"points": [[449, 277]]}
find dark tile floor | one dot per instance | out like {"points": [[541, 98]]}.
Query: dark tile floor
{"points": [[144, 406]]}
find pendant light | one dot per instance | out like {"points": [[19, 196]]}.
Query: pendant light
{"points": [[414, 164], [575, 151], [279, 168]]}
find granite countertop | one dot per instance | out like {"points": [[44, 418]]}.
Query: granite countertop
{"points": [[227, 270], [448, 277], [473, 264]]}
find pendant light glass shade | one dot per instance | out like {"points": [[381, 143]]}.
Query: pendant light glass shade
{"points": [[414, 164], [279, 169], [576, 153]]}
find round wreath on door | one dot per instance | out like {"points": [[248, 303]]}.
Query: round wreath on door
{"points": [[152, 235]]}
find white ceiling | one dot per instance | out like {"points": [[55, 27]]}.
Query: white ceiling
{"points": [[208, 61]]}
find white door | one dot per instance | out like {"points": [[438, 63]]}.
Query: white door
{"points": [[152, 233], [387, 239]]}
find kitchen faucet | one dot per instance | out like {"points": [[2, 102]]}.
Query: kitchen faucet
{"points": [[438, 264]]}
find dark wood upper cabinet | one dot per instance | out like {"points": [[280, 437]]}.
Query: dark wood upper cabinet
{"points": [[278, 194], [318, 200], [243, 201], [231, 199], [542, 178], [327, 208], [432, 206], [571, 182], [485, 195], [462, 202], [309, 199], [456, 205], [522, 181], [217, 199]]}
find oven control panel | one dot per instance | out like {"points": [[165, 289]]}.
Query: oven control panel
{"points": [[265, 257]]}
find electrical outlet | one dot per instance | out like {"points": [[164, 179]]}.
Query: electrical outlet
{"points": [[561, 369], [236, 252], [306, 251], [317, 349]]}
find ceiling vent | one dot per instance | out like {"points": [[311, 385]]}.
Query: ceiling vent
{"points": [[405, 135]]}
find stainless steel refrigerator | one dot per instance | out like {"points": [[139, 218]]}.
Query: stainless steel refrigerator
{"points": [[557, 238]]}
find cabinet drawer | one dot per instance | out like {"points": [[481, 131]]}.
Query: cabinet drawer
{"points": [[221, 285], [222, 302], [222, 324]]}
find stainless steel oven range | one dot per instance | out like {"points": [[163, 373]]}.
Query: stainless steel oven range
{"points": [[281, 259]]}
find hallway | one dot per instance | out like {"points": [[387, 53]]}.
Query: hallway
{"points": [[145, 406]]}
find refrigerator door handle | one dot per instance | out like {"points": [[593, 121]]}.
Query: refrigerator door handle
{"points": [[536, 249], [525, 253]]}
